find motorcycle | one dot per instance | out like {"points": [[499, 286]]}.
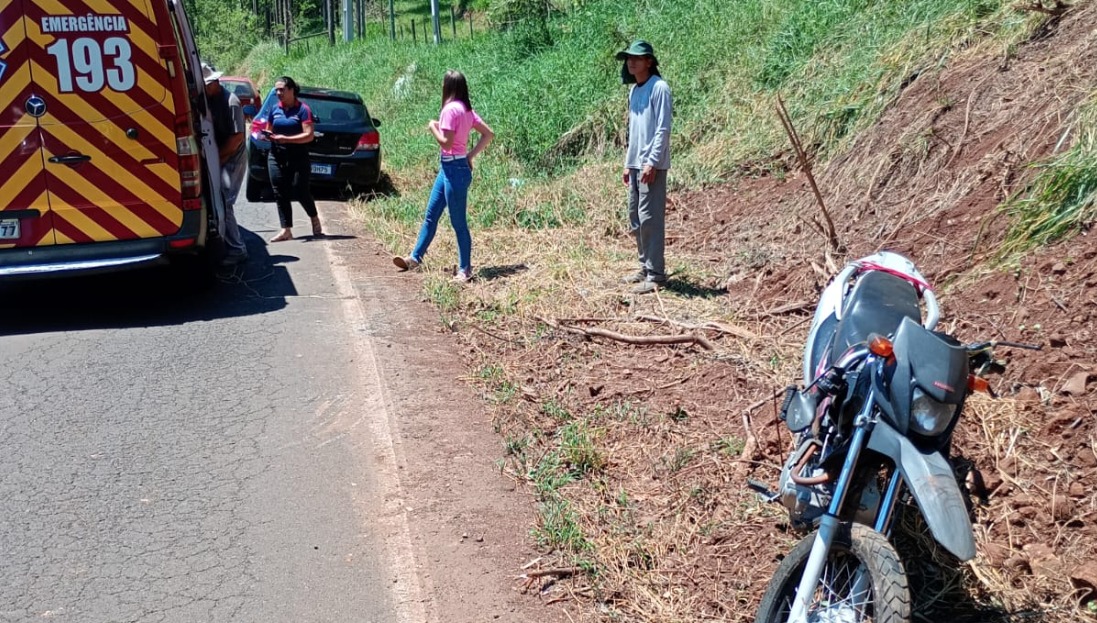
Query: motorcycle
{"points": [[873, 425]]}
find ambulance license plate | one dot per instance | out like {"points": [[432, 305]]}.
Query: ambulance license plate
{"points": [[322, 169], [9, 229]]}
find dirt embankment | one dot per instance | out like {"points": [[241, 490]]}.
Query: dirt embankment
{"points": [[676, 534]]}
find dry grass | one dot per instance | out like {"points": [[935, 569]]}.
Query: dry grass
{"points": [[647, 447], [665, 524]]}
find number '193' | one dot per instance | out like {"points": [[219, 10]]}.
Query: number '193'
{"points": [[86, 66]]}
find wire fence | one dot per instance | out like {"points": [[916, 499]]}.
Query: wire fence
{"points": [[415, 28]]}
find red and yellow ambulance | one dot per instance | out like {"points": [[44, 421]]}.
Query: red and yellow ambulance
{"points": [[101, 164]]}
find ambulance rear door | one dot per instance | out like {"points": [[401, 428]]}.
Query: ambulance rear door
{"points": [[25, 219], [108, 119]]}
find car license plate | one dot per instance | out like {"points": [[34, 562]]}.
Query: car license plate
{"points": [[9, 229], [322, 169]]}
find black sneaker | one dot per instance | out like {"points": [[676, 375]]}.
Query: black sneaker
{"points": [[635, 277], [232, 259]]}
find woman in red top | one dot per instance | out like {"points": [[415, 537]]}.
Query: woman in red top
{"points": [[451, 131]]}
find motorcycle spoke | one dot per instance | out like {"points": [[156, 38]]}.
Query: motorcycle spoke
{"points": [[844, 594]]}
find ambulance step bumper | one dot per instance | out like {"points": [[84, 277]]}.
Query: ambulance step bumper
{"points": [[81, 266]]}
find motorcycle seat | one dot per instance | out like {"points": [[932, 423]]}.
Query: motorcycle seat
{"points": [[878, 303]]}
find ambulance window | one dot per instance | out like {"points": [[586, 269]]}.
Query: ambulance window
{"points": [[184, 58]]}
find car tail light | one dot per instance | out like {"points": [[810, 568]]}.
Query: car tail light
{"points": [[369, 141], [259, 124]]}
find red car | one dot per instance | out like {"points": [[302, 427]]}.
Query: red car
{"points": [[245, 90]]}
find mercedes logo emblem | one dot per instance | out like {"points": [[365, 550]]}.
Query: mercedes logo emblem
{"points": [[36, 106]]}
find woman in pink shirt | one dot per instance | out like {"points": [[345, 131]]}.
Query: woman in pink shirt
{"points": [[451, 187]]}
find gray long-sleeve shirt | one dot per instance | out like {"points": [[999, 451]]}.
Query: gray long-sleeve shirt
{"points": [[650, 110]]}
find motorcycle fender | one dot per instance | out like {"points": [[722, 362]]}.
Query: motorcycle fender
{"points": [[929, 477]]}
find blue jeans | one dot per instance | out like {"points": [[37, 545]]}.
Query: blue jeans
{"points": [[451, 190]]}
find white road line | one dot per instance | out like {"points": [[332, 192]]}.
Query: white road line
{"points": [[407, 589]]}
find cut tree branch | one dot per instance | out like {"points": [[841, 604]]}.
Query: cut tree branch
{"points": [[558, 572], [788, 309], [830, 232], [1058, 8], [711, 325], [699, 340]]}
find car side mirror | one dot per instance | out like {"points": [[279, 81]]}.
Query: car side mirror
{"points": [[376, 122], [250, 110]]}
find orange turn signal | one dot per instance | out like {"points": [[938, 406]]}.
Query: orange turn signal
{"points": [[881, 346], [977, 384]]}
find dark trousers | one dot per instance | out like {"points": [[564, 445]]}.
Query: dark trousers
{"points": [[289, 175]]}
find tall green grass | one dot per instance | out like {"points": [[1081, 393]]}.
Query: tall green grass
{"points": [[1062, 199], [553, 93]]}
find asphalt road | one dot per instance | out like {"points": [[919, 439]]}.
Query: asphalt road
{"points": [[166, 456]]}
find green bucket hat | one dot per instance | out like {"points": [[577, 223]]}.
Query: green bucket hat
{"points": [[638, 48]]}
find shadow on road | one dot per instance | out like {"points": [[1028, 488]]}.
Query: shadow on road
{"points": [[149, 297]]}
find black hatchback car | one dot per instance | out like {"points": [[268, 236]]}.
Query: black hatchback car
{"points": [[346, 151]]}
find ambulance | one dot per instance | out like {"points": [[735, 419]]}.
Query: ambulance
{"points": [[106, 147]]}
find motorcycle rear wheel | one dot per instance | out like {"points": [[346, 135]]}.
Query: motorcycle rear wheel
{"points": [[857, 549]]}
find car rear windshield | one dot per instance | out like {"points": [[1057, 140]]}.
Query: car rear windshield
{"points": [[335, 111], [239, 89]]}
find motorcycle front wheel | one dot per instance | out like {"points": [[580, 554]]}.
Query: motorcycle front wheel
{"points": [[863, 580]]}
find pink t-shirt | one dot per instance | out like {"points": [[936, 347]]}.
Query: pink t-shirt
{"points": [[458, 119]]}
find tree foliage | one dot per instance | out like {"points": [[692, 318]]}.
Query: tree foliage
{"points": [[228, 29], [225, 31]]}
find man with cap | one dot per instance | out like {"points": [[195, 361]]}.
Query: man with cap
{"points": [[228, 131], [647, 159]]}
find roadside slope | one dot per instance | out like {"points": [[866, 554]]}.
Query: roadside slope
{"points": [[640, 453]]}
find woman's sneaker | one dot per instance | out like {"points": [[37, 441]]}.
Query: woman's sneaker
{"points": [[405, 263], [463, 275]]}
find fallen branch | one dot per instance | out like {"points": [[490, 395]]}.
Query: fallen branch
{"points": [[660, 387], [708, 326], [699, 340], [557, 571], [498, 337], [787, 309], [1038, 6], [750, 443]]}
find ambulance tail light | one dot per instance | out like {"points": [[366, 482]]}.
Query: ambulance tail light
{"points": [[190, 165]]}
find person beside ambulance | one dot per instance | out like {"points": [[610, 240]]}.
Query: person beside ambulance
{"points": [[229, 132], [288, 164]]}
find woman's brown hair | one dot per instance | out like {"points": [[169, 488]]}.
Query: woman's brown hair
{"points": [[454, 87]]}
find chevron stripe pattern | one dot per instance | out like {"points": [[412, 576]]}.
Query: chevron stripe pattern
{"points": [[100, 162]]}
